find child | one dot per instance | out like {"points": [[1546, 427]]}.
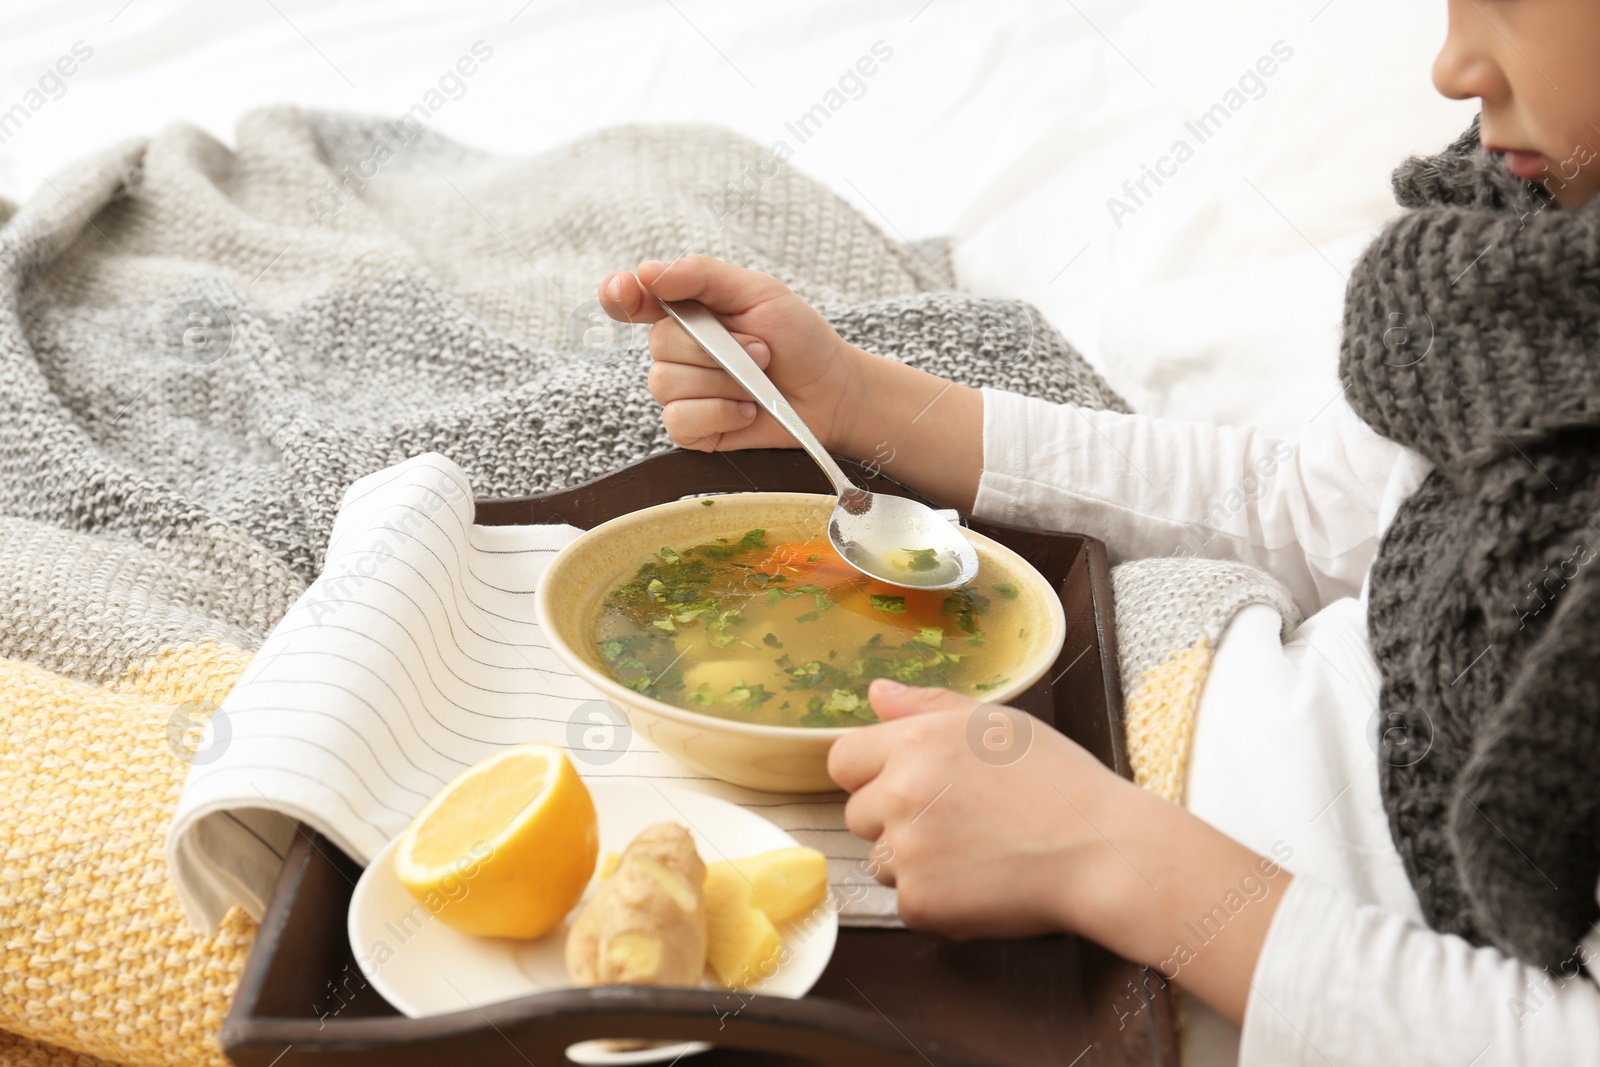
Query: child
{"points": [[1424, 749]]}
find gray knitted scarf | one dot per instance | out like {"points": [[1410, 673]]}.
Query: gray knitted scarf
{"points": [[1470, 336]]}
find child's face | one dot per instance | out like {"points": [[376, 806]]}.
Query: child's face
{"points": [[1535, 65]]}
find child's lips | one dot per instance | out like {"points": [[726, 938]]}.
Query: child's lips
{"points": [[1524, 164]]}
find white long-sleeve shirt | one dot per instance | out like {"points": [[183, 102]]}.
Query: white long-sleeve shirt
{"points": [[1284, 755]]}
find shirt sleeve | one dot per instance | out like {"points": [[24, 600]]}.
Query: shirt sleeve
{"points": [[1306, 511], [1341, 983]]}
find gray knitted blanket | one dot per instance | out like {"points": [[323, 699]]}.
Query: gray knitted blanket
{"points": [[202, 347]]}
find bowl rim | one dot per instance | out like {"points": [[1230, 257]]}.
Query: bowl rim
{"points": [[631, 699]]}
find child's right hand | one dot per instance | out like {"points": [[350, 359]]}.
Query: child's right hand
{"points": [[702, 406]]}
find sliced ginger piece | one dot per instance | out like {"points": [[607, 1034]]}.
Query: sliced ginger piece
{"points": [[742, 944], [785, 883], [646, 924], [608, 864]]}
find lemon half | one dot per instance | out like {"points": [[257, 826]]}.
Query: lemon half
{"points": [[507, 848]]}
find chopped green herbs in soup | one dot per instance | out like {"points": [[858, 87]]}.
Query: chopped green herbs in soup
{"points": [[774, 627]]}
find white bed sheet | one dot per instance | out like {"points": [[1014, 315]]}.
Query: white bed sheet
{"points": [[1005, 124]]}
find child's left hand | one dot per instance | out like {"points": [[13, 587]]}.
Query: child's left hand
{"points": [[981, 841], [1038, 836]]}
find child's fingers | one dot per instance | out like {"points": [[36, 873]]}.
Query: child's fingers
{"points": [[625, 301], [894, 701], [853, 761], [679, 381], [699, 422], [671, 343], [720, 286]]}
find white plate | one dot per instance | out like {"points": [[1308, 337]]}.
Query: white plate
{"points": [[423, 967]]}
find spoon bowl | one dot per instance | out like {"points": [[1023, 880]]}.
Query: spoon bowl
{"points": [[890, 538], [899, 541]]}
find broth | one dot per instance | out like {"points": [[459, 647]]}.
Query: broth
{"points": [[772, 626]]}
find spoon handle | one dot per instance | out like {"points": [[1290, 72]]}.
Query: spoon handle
{"points": [[714, 337]]}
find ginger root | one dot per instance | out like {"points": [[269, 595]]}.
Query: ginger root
{"points": [[647, 922]]}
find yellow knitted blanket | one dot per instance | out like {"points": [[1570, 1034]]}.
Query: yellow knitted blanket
{"points": [[98, 962]]}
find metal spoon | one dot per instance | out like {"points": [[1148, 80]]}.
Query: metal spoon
{"points": [[890, 538]]}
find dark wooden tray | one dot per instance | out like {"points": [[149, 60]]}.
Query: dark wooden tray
{"points": [[888, 996]]}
